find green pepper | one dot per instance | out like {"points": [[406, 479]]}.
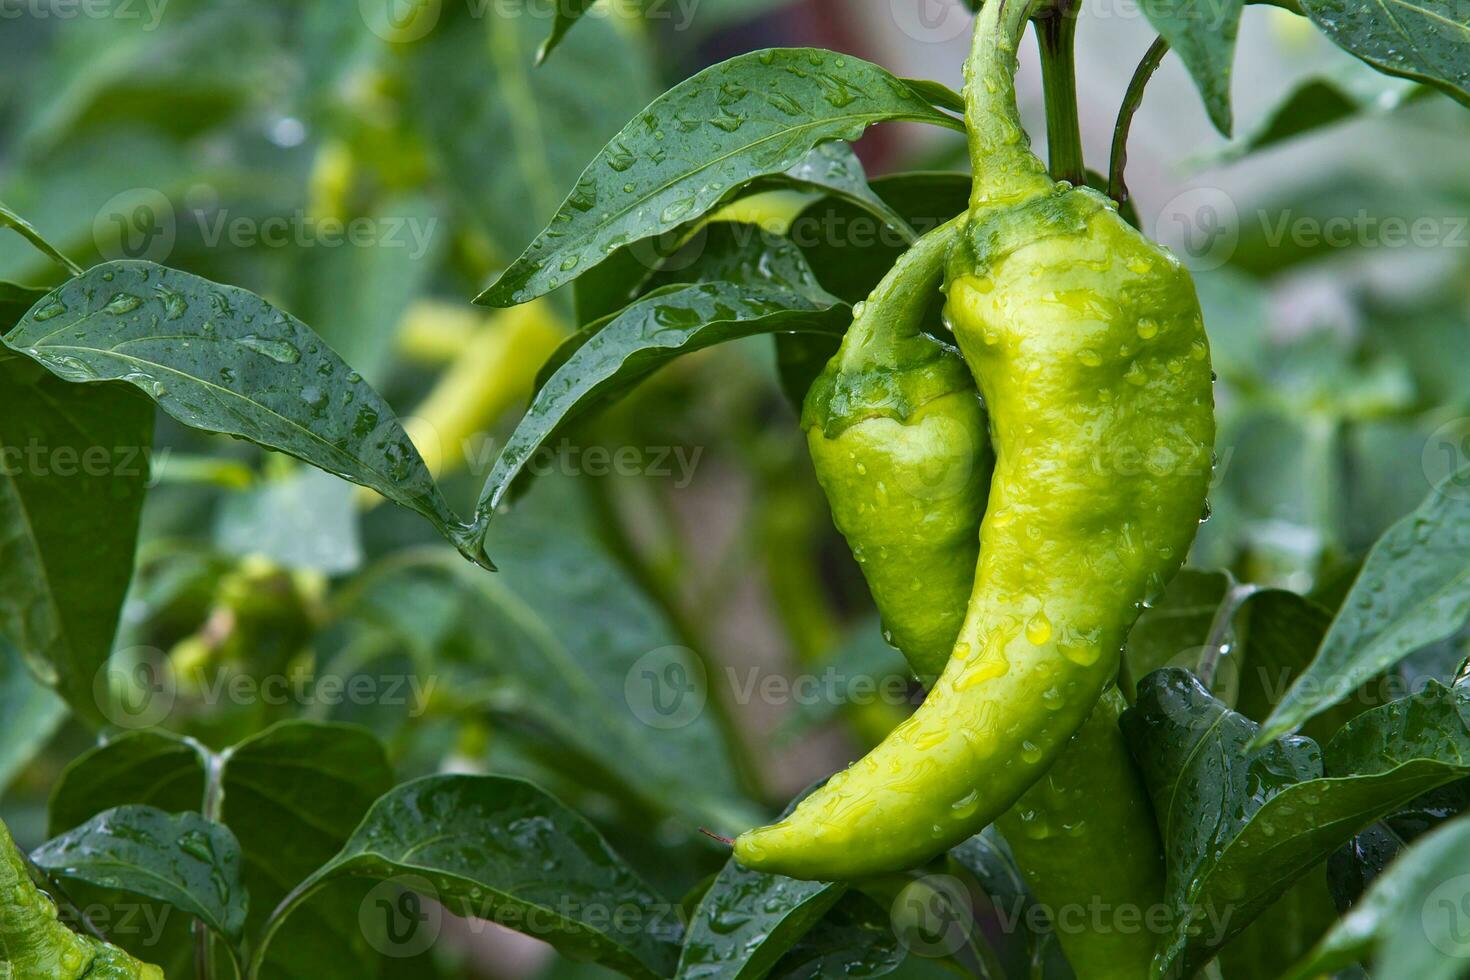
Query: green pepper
{"points": [[1088, 347], [897, 437], [35, 945], [1085, 840]]}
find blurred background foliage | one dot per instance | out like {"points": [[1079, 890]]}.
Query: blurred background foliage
{"points": [[1338, 362]]}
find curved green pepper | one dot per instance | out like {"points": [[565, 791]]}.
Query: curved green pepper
{"points": [[35, 945], [1088, 347], [897, 437]]}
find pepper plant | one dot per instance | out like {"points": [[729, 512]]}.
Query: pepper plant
{"points": [[398, 658]]}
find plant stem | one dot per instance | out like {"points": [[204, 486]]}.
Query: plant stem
{"points": [[1005, 170], [1117, 188], [1056, 31]]}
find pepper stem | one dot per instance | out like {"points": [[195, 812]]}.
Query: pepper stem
{"points": [[1005, 169], [894, 311]]}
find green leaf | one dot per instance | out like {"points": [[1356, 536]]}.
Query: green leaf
{"points": [[1419, 897], [182, 860], [1427, 40], [221, 359], [15, 300], [747, 921], [144, 767], [73, 475], [500, 849], [1343, 91], [850, 252], [1173, 629], [1240, 826], [855, 939], [509, 139], [753, 115], [1203, 33], [568, 12], [354, 296], [558, 650], [32, 713], [1414, 589], [638, 341], [830, 170], [1023, 949], [291, 794]]}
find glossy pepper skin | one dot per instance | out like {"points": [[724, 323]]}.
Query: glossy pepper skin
{"points": [[898, 440], [35, 945], [1084, 837], [1088, 347]]}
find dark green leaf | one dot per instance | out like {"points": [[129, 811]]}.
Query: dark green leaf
{"points": [[1240, 826], [637, 342], [1024, 951], [1411, 916], [182, 860], [221, 359], [849, 250], [1203, 33], [855, 939], [1174, 628], [754, 115], [1414, 589], [292, 796], [73, 475], [1344, 91], [1427, 40], [32, 713], [500, 849], [829, 169], [747, 921], [150, 768], [509, 139], [564, 650], [568, 12], [15, 300]]}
